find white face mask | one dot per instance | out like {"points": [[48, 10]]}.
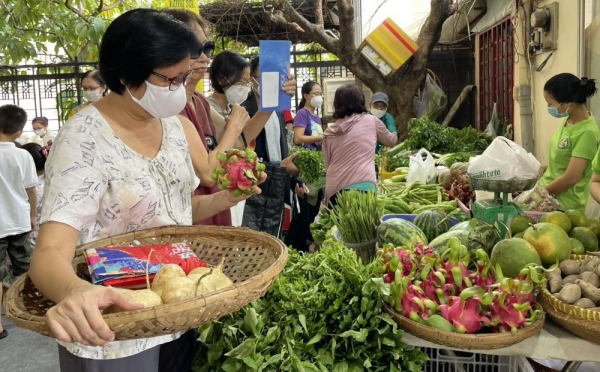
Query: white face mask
{"points": [[378, 113], [316, 101], [237, 94], [92, 95], [161, 102], [39, 132]]}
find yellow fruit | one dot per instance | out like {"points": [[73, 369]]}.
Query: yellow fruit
{"points": [[520, 224], [594, 225], [586, 237], [559, 219], [551, 242], [578, 218], [577, 247]]}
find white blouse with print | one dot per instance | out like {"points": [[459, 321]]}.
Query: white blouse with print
{"points": [[98, 185]]}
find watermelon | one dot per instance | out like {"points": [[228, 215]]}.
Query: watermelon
{"points": [[490, 231], [400, 233], [433, 223], [483, 235]]}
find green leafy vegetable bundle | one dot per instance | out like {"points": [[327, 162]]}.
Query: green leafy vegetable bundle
{"points": [[357, 216], [319, 228], [310, 163], [425, 133], [323, 313]]}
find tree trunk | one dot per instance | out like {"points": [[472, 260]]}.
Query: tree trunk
{"points": [[400, 89]]}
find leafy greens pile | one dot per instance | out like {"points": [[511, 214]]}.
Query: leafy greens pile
{"points": [[310, 163], [323, 313], [425, 133]]}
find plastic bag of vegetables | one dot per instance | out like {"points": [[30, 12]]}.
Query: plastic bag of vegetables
{"points": [[537, 199]]}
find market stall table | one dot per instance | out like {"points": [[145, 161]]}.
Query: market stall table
{"points": [[553, 342]]}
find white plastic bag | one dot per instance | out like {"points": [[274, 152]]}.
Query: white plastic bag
{"points": [[432, 100], [422, 170], [490, 130], [504, 160]]}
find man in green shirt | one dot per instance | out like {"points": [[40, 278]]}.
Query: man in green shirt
{"points": [[379, 105], [574, 144]]}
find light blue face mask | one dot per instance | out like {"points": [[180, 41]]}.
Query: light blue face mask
{"points": [[554, 112]]}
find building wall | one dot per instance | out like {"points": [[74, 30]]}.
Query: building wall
{"points": [[565, 59]]}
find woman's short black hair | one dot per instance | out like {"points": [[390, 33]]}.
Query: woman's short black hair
{"points": [[227, 68], [94, 74], [40, 119], [567, 87], [37, 154], [12, 119], [348, 100], [254, 64], [306, 89], [140, 41]]}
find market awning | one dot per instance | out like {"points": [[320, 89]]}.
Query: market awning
{"points": [[496, 11]]}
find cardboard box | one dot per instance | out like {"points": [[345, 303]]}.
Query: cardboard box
{"points": [[388, 47]]}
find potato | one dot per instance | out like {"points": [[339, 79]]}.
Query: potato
{"points": [[570, 293], [598, 270], [178, 289], [589, 290], [591, 278], [583, 265], [584, 303], [145, 297], [593, 264], [166, 273], [554, 280], [200, 271], [594, 309], [570, 279], [213, 282], [569, 267]]}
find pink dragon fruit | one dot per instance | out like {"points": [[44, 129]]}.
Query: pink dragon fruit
{"points": [[239, 171], [507, 314], [484, 276], [464, 316]]}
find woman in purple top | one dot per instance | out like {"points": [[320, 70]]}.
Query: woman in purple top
{"points": [[308, 130], [349, 144]]}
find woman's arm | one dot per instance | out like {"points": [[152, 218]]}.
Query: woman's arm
{"points": [[221, 127], [595, 187], [76, 317], [384, 135], [198, 153], [206, 206], [301, 139], [571, 176]]}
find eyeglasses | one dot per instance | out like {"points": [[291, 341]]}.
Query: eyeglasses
{"points": [[315, 94], [242, 83], [207, 48], [176, 81]]}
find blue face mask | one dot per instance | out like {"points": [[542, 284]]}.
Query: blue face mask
{"points": [[554, 112]]}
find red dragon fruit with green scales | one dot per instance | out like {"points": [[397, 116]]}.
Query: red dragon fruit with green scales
{"points": [[239, 171]]}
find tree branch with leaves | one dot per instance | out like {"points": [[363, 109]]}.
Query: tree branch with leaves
{"points": [[401, 88]]}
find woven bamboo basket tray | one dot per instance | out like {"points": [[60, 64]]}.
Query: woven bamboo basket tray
{"points": [[252, 261], [482, 341], [582, 322]]}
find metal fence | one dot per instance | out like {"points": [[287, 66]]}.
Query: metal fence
{"points": [[43, 90], [52, 90]]}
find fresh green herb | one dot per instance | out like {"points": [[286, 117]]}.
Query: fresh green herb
{"points": [[310, 163], [425, 133], [323, 313], [319, 228], [357, 216]]}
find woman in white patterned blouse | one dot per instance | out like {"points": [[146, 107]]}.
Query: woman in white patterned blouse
{"points": [[121, 165]]}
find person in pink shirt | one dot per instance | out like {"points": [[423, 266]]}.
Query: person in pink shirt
{"points": [[349, 144]]}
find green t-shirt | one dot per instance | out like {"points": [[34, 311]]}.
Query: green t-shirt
{"points": [[390, 124], [578, 140]]}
